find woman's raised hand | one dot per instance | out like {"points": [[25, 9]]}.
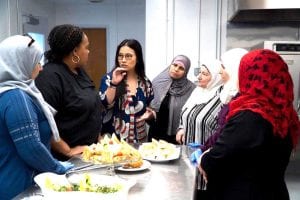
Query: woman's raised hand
{"points": [[118, 75]]}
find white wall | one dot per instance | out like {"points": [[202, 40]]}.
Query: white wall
{"points": [[4, 19], [45, 10], [180, 27], [9, 22], [164, 28], [122, 20]]}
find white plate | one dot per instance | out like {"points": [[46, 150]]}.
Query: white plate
{"points": [[146, 165], [35, 197], [175, 156], [74, 195]]}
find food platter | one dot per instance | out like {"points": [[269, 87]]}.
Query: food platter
{"points": [[159, 151], [51, 184], [174, 156], [146, 165], [111, 151]]}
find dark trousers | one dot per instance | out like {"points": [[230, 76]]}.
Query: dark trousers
{"points": [[202, 195]]}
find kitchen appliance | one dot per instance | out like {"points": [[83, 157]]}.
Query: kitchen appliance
{"points": [[290, 52], [263, 11]]}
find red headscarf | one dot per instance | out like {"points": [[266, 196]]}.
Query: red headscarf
{"points": [[266, 87]]}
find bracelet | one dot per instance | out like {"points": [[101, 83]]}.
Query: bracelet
{"points": [[112, 85]]}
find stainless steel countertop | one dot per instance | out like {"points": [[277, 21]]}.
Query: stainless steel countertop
{"points": [[172, 180]]}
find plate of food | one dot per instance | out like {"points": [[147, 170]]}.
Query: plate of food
{"points": [[83, 186], [159, 151], [110, 150], [134, 167]]}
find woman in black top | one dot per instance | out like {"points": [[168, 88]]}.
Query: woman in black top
{"points": [[66, 86], [249, 159], [171, 90]]}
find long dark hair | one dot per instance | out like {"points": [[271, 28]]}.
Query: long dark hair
{"points": [[139, 67], [62, 41]]}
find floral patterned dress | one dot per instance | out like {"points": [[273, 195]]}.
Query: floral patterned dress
{"points": [[121, 116]]}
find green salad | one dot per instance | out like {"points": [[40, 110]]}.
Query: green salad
{"points": [[84, 185]]}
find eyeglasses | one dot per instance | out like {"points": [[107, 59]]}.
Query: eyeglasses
{"points": [[32, 40], [127, 56]]}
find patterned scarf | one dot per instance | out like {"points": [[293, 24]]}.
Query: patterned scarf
{"points": [[266, 88]]}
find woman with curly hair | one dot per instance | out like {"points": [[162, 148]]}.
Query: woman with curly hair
{"points": [[66, 86]]}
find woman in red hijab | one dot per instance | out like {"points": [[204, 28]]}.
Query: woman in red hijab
{"points": [[249, 159]]}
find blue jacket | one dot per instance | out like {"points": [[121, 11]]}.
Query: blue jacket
{"points": [[24, 145]]}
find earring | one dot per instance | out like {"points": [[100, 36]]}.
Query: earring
{"points": [[75, 59]]}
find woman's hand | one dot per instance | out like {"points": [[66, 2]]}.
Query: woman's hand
{"points": [[62, 147], [118, 75], [149, 114], [201, 170], [180, 136], [76, 150]]}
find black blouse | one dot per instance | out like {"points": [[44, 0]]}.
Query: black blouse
{"points": [[248, 162], [158, 129], [77, 103]]}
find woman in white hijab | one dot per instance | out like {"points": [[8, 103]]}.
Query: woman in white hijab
{"points": [[230, 62], [26, 120], [198, 114], [229, 73]]}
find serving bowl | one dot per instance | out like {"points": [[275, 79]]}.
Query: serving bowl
{"points": [[53, 186]]}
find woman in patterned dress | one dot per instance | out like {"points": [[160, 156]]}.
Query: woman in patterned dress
{"points": [[126, 92]]}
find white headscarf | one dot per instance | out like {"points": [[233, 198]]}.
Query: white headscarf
{"points": [[231, 61], [17, 61], [202, 95]]}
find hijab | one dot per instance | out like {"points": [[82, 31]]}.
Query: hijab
{"points": [[179, 90], [18, 57], [163, 83], [202, 95], [266, 88], [231, 61]]}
